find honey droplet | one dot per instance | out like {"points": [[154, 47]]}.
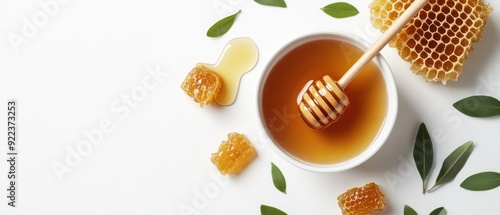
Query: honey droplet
{"points": [[238, 57]]}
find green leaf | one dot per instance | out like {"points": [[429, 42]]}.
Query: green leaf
{"points": [[409, 211], [438, 211], [478, 106], [423, 154], [222, 26], [278, 178], [453, 164], [340, 10], [275, 3], [268, 210], [482, 181]]}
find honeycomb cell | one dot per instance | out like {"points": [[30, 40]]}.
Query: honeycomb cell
{"points": [[432, 16], [411, 43], [447, 66], [449, 26], [445, 9], [398, 6], [413, 54], [459, 50], [438, 64], [432, 44], [418, 63], [468, 9], [432, 73], [425, 27], [434, 55], [423, 55], [428, 35], [453, 58], [440, 48], [441, 17], [383, 14], [436, 8], [443, 57], [405, 52], [445, 40], [393, 15], [429, 62], [421, 16], [450, 19], [440, 75]]}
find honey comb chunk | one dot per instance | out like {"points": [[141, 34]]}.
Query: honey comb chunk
{"points": [[458, 23], [362, 200], [234, 154], [202, 84]]}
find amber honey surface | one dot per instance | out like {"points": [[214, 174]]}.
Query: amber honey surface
{"points": [[350, 134]]}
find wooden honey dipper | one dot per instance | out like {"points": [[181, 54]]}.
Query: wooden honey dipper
{"points": [[325, 100]]}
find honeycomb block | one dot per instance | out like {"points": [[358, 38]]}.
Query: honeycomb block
{"points": [[438, 40], [202, 84], [362, 200], [234, 154]]}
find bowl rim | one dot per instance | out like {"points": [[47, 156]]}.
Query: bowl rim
{"points": [[386, 127]]}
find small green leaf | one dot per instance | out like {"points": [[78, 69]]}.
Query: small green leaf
{"points": [[478, 106], [423, 154], [453, 164], [268, 210], [340, 10], [278, 178], [438, 211], [275, 3], [409, 211], [222, 26], [482, 181]]}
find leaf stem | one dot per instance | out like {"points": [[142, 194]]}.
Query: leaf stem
{"points": [[432, 188]]}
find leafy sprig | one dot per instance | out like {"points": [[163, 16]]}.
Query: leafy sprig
{"points": [[409, 211], [269, 210], [423, 154], [453, 164], [482, 181], [275, 3], [340, 10], [280, 184], [438, 211], [222, 26], [478, 106], [278, 178]]}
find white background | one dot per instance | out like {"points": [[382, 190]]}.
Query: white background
{"points": [[85, 57]]}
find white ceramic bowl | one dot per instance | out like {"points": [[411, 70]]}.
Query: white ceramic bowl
{"points": [[387, 125]]}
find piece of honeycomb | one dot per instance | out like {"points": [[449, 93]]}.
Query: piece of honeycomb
{"points": [[362, 200], [439, 38], [234, 154], [202, 84]]}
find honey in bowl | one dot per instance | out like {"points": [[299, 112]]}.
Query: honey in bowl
{"points": [[344, 139]]}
